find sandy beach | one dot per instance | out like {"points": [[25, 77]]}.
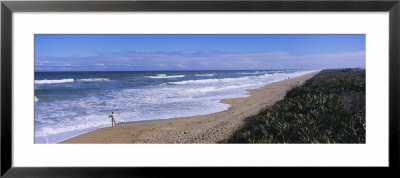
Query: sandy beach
{"points": [[209, 128]]}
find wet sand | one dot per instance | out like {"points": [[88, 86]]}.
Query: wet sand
{"points": [[209, 128]]}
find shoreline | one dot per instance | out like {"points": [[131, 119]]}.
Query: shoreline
{"points": [[209, 128]]}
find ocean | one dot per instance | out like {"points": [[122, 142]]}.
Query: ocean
{"points": [[71, 103]]}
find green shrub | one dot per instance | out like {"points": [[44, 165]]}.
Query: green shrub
{"points": [[328, 108]]}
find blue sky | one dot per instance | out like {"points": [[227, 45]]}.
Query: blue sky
{"points": [[197, 52]]}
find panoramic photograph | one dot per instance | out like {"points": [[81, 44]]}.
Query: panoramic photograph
{"points": [[199, 88]]}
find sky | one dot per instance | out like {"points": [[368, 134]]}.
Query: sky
{"points": [[197, 52]]}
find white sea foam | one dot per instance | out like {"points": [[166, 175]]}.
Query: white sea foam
{"points": [[72, 124], [251, 73], [93, 80], [225, 80], [219, 88], [36, 99], [203, 81], [195, 81], [54, 81], [165, 76], [201, 90], [204, 75]]}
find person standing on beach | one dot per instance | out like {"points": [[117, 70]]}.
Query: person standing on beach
{"points": [[112, 116]]}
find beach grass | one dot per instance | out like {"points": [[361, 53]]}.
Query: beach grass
{"points": [[328, 108]]}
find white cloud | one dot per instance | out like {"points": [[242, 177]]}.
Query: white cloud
{"points": [[208, 60], [162, 65]]}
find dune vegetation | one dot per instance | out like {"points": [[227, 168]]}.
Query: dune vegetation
{"points": [[328, 108]]}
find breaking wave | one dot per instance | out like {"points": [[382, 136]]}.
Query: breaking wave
{"points": [[54, 81]]}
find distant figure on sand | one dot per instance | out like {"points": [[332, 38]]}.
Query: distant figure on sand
{"points": [[112, 116]]}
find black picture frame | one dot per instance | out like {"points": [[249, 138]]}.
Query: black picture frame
{"points": [[8, 7]]}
